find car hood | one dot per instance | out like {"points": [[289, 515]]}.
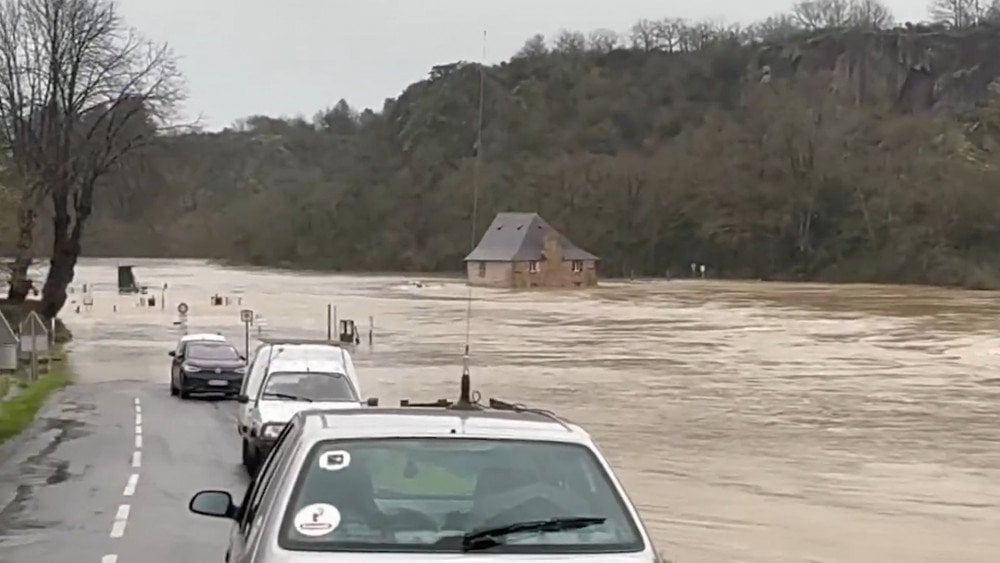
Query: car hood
{"points": [[283, 411]]}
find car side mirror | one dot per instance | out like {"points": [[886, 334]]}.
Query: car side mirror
{"points": [[372, 401], [172, 354], [242, 399], [218, 504], [242, 357]]}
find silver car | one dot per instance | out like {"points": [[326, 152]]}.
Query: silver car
{"points": [[284, 378], [432, 483]]}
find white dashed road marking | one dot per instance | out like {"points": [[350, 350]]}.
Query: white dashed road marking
{"points": [[133, 482], [121, 517], [121, 520]]}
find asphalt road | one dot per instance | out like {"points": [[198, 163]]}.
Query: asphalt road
{"points": [[106, 471], [106, 474]]}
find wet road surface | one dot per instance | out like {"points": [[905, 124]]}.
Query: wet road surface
{"points": [[750, 422]]}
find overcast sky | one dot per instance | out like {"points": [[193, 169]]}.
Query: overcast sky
{"points": [[294, 57]]}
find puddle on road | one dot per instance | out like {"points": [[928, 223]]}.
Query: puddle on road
{"points": [[750, 421], [42, 469]]}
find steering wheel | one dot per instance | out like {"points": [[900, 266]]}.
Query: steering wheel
{"points": [[409, 519], [535, 508]]}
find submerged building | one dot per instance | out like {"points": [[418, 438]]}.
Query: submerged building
{"points": [[523, 250]]}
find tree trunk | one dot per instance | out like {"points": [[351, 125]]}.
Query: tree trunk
{"points": [[65, 252], [20, 283]]}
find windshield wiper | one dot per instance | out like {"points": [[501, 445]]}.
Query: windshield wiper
{"points": [[485, 539], [289, 397]]}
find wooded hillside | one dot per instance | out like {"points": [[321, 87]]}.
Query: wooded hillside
{"points": [[788, 149]]}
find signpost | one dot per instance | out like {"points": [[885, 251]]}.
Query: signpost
{"points": [[246, 315], [182, 312]]}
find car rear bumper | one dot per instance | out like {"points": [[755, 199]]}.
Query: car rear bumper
{"points": [[211, 383]]}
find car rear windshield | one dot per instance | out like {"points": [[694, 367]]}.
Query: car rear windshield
{"points": [[212, 352], [438, 495], [315, 386]]}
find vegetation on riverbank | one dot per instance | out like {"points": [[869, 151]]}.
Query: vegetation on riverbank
{"points": [[18, 407], [808, 146], [15, 313]]}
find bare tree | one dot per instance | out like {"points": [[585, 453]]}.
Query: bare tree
{"points": [[823, 14], [991, 13], [78, 90], [957, 13], [870, 14], [570, 42], [774, 28], [533, 47], [603, 40], [669, 33], [643, 36]]}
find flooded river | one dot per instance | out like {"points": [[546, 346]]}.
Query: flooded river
{"points": [[750, 421]]}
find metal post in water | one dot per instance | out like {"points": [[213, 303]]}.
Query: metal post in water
{"points": [[329, 321], [34, 352], [371, 329], [334, 315]]}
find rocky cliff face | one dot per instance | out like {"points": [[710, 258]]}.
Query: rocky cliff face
{"points": [[912, 69]]}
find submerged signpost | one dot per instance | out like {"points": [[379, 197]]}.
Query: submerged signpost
{"points": [[246, 316]]}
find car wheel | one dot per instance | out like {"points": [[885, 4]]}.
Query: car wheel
{"points": [[249, 459], [181, 391], [173, 388]]}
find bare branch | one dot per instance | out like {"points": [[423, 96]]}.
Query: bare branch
{"points": [[79, 89]]}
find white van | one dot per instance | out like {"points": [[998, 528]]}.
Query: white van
{"points": [[286, 377]]}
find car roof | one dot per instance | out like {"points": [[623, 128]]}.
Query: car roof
{"points": [[206, 337], [306, 351], [300, 342], [392, 422], [298, 364]]}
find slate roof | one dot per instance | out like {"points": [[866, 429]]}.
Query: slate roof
{"points": [[7, 335], [516, 237]]}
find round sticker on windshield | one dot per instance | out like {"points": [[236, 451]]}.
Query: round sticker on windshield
{"points": [[317, 520], [335, 461]]}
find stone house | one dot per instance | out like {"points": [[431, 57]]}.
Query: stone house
{"points": [[521, 250]]}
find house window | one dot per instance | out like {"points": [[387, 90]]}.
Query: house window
{"points": [[577, 266], [533, 266], [482, 269]]}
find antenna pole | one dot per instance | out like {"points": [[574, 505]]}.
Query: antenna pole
{"points": [[466, 385]]}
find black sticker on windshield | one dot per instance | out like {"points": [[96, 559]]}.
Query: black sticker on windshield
{"points": [[335, 461]]}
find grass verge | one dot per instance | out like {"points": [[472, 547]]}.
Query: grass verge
{"points": [[17, 412]]}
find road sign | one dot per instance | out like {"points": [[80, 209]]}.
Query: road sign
{"points": [[182, 308], [246, 315]]}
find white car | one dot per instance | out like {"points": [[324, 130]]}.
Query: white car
{"points": [[442, 483], [286, 377]]}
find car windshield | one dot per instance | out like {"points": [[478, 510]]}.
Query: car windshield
{"points": [[212, 352], [312, 386], [435, 495]]}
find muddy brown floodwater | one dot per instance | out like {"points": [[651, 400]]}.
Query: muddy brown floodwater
{"points": [[750, 421]]}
